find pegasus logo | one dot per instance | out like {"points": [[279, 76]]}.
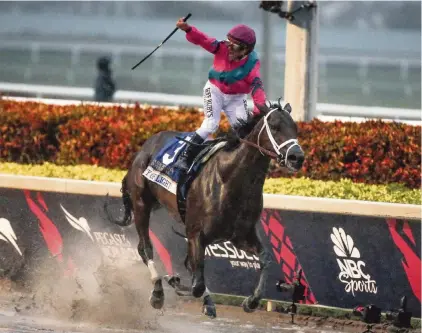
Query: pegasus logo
{"points": [[80, 224], [7, 234], [351, 273], [113, 245]]}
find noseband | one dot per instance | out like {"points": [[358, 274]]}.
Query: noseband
{"points": [[278, 155]]}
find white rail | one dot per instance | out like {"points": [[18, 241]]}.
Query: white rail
{"points": [[323, 110], [121, 49], [271, 201]]}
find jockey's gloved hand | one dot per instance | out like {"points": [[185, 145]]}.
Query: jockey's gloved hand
{"points": [[182, 25], [261, 108]]}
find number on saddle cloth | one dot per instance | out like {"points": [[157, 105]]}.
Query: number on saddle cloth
{"points": [[161, 170]]}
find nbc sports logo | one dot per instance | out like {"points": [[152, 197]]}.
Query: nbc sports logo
{"points": [[351, 267]]}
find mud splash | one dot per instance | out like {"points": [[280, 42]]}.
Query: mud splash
{"points": [[107, 296]]}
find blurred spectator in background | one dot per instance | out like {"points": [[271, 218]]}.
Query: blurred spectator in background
{"points": [[104, 84]]}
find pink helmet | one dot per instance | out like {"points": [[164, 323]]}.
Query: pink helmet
{"points": [[243, 34]]}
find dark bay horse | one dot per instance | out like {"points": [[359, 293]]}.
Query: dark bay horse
{"points": [[225, 200]]}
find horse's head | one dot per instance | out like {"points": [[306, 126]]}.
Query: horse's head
{"points": [[277, 133]]}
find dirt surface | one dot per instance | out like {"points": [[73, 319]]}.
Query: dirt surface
{"points": [[118, 302]]}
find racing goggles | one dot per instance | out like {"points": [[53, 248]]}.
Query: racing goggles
{"points": [[235, 45]]}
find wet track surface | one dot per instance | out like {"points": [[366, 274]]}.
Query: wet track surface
{"points": [[186, 319], [17, 316], [122, 306], [172, 323]]}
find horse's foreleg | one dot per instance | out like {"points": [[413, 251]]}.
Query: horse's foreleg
{"points": [[208, 306], [254, 245], [196, 258], [252, 302], [142, 212]]}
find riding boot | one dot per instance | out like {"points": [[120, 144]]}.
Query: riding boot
{"points": [[185, 160]]}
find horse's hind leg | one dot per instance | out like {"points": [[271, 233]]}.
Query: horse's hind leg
{"points": [[254, 246], [142, 211]]}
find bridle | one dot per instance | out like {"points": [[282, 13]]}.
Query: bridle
{"points": [[278, 155]]}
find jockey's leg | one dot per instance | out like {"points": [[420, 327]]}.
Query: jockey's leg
{"points": [[213, 101], [213, 104], [235, 108]]}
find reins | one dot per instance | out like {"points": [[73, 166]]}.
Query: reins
{"points": [[263, 150], [249, 143]]}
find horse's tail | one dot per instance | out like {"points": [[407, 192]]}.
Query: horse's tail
{"points": [[127, 203]]}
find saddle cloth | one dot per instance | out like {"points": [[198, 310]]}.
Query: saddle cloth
{"points": [[162, 170]]}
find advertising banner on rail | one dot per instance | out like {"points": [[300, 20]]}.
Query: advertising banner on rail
{"points": [[346, 260]]}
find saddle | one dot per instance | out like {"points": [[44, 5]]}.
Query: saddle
{"points": [[162, 170]]}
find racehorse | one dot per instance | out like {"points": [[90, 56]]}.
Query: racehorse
{"points": [[225, 199]]}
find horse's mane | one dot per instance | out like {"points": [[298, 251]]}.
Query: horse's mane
{"points": [[240, 130]]}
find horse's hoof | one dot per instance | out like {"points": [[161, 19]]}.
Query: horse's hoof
{"points": [[198, 290], [208, 307], [157, 299], [157, 295], [210, 311], [172, 280], [250, 304]]}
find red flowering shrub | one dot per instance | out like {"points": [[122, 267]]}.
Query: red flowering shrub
{"points": [[28, 130], [112, 140], [373, 152]]}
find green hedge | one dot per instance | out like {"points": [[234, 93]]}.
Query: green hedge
{"points": [[343, 189]]}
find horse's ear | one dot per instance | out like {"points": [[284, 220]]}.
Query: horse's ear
{"points": [[282, 105], [288, 108]]}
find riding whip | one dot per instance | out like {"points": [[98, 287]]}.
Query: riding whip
{"points": [[165, 40]]}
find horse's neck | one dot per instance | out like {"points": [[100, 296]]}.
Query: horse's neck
{"points": [[245, 166], [258, 163]]}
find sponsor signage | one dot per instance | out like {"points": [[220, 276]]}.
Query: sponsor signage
{"points": [[350, 264], [346, 260]]}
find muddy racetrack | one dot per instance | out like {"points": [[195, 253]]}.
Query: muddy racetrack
{"points": [[110, 299]]}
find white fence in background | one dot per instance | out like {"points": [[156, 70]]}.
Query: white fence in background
{"points": [[323, 111], [74, 52]]}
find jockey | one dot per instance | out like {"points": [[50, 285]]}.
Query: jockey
{"points": [[234, 74]]}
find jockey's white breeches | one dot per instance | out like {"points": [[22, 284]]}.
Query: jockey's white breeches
{"points": [[234, 106]]}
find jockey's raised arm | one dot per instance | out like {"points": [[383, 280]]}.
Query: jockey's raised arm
{"points": [[197, 37]]}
